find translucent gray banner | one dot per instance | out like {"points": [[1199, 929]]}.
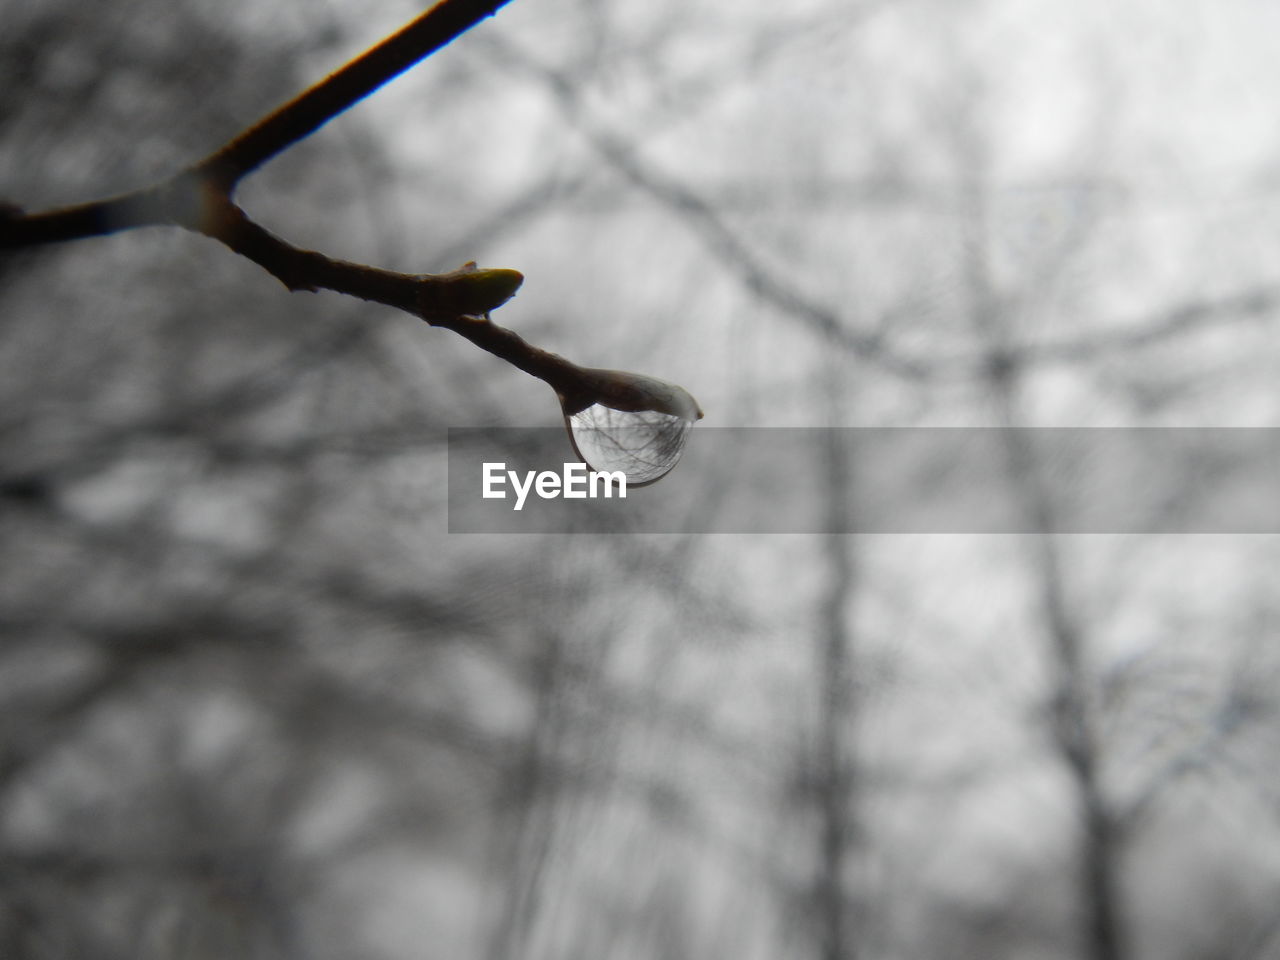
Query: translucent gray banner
{"points": [[883, 480]]}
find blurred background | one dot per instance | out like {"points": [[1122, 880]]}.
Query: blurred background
{"points": [[256, 702]]}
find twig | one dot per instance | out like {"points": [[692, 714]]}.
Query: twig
{"points": [[177, 200], [315, 107], [200, 199]]}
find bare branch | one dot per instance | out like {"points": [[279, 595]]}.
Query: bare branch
{"points": [[1189, 318], [315, 107], [200, 199], [273, 134]]}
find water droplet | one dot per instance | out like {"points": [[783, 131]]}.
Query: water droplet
{"points": [[629, 422], [644, 445]]}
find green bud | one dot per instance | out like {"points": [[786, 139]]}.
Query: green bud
{"points": [[469, 291]]}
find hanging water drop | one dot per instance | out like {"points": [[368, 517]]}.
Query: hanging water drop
{"points": [[631, 423], [644, 446]]}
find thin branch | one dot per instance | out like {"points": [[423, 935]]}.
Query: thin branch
{"points": [[200, 199], [315, 107], [1188, 318], [270, 136], [95, 219], [429, 296]]}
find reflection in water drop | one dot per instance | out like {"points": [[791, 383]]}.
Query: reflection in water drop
{"points": [[644, 445]]}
